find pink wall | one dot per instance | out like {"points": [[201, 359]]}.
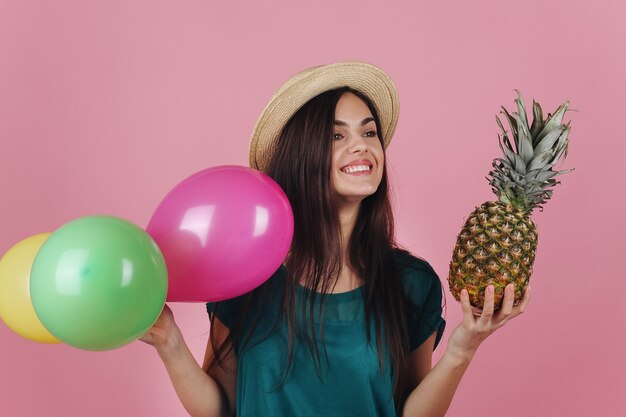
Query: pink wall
{"points": [[104, 106]]}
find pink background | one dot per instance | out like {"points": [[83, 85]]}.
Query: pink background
{"points": [[105, 106]]}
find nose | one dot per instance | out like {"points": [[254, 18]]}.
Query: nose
{"points": [[357, 144]]}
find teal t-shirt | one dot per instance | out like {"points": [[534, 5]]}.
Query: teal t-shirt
{"points": [[349, 381]]}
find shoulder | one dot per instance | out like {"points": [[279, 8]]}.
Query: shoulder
{"points": [[228, 310], [413, 270], [408, 263], [417, 276]]}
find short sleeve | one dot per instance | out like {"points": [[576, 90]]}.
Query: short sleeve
{"points": [[424, 295]]}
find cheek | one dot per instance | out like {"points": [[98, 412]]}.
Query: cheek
{"points": [[381, 169], [380, 156], [334, 159]]}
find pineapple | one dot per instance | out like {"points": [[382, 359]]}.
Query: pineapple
{"points": [[498, 241]]}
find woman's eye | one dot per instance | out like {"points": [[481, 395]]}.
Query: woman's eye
{"points": [[337, 136], [371, 134]]}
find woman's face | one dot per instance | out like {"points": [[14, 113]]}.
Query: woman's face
{"points": [[357, 157]]}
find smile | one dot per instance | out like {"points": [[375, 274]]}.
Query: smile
{"points": [[361, 169]]}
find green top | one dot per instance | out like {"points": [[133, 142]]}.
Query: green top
{"points": [[350, 383]]}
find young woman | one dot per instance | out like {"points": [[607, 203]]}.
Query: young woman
{"points": [[347, 326]]}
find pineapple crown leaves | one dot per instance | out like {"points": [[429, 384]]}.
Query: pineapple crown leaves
{"points": [[524, 177]]}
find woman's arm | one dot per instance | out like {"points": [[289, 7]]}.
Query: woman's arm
{"points": [[435, 388], [226, 374], [200, 394]]}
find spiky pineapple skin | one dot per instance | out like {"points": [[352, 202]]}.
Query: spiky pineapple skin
{"points": [[496, 246]]}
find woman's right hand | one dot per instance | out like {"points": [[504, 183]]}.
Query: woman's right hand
{"points": [[163, 331]]}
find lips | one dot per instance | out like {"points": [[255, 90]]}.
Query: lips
{"points": [[358, 162]]}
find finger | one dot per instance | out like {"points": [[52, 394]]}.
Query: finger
{"points": [[147, 338], [507, 305], [487, 313], [167, 309], [522, 305], [468, 315]]}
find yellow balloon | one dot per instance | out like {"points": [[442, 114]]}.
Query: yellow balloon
{"points": [[16, 307]]}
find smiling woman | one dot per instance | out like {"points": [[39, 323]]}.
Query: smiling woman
{"points": [[348, 324]]}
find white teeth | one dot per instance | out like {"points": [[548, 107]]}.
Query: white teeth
{"points": [[356, 168]]}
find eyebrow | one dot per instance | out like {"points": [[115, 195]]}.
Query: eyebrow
{"points": [[363, 122]]}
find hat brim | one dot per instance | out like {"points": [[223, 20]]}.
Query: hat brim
{"points": [[302, 87]]}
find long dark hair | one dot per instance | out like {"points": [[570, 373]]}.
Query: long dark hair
{"points": [[301, 165]]}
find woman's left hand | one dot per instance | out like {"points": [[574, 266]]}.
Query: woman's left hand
{"points": [[470, 333]]}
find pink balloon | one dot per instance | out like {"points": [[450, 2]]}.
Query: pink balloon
{"points": [[223, 232]]}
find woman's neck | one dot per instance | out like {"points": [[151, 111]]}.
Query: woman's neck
{"points": [[348, 278], [347, 219]]}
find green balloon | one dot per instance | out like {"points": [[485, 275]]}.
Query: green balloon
{"points": [[98, 283]]}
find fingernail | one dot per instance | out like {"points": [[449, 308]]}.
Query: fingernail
{"points": [[490, 289]]}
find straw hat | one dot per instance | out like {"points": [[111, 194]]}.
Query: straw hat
{"points": [[302, 87]]}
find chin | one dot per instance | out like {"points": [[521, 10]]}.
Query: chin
{"points": [[355, 196]]}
